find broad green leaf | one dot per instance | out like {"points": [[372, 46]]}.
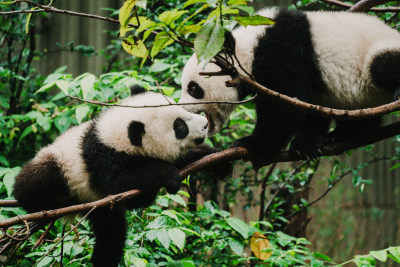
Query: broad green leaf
{"points": [[87, 84], [81, 112], [170, 16], [27, 131], [395, 251], [164, 238], [188, 262], [192, 2], [134, 46], [52, 78], [159, 67], [152, 234], [160, 43], [178, 237], [63, 85], [125, 12], [237, 2], [158, 223], [209, 40], [44, 122], [248, 9], [240, 226], [62, 123], [145, 24], [171, 214], [380, 255], [9, 179], [175, 264], [45, 262], [236, 246], [321, 256], [177, 199], [254, 20], [45, 87], [189, 29]]}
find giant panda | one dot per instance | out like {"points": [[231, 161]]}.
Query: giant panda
{"points": [[122, 149], [334, 59]]}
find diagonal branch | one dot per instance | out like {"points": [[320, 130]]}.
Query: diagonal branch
{"points": [[238, 153], [358, 8]]}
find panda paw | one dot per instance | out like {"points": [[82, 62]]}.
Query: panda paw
{"points": [[309, 150], [173, 185]]}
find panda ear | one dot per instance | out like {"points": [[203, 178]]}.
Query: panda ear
{"points": [[229, 42], [135, 132], [137, 89]]}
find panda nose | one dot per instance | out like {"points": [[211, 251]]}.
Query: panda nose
{"points": [[198, 141]]}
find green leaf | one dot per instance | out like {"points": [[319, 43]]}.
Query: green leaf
{"points": [[27, 131], [87, 85], [236, 246], [145, 24], [164, 238], [125, 12], [151, 235], [209, 40], [321, 256], [380, 255], [62, 123], [395, 251], [175, 264], [178, 199], [63, 85], [134, 46], [162, 40], [192, 2], [171, 214], [240, 226], [170, 16], [28, 19], [254, 20], [9, 179], [178, 237], [159, 67], [81, 112]]}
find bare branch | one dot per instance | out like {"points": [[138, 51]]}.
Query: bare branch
{"points": [[353, 8], [316, 109], [163, 105], [365, 5]]}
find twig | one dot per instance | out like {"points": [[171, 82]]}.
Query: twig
{"points": [[374, 9], [262, 194], [72, 229], [42, 237], [365, 5], [162, 105]]}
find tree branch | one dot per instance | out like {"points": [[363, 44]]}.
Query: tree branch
{"points": [[315, 109], [354, 8], [238, 153], [365, 5]]}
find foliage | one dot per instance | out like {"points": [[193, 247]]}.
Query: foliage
{"points": [[172, 232]]}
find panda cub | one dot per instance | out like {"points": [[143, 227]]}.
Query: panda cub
{"points": [[122, 149], [335, 59]]}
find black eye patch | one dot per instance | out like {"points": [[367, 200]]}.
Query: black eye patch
{"points": [[195, 90], [181, 129]]}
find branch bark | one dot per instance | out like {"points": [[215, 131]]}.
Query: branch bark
{"points": [[365, 5], [354, 8]]}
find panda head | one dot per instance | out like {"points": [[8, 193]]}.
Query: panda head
{"points": [[197, 88], [164, 132]]}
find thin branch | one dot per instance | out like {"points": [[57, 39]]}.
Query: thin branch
{"points": [[374, 9], [162, 105], [262, 194], [50, 9], [339, 114]]}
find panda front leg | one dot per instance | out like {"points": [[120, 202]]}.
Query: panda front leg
{"points": [[276, 125], [109, 226], [310, 137]]}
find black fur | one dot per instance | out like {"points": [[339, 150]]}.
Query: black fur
{"points": [[135, 132], [195, 90], [137, 89], [181, 129], [32, 184], [385, 71], [113, 172], [285, 61]]}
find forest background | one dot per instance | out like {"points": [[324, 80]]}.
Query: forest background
{"points": [[344, 205]]}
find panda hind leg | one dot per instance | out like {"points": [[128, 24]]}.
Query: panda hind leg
{"points": [[310, 137], [109, 226], [350, 129]]}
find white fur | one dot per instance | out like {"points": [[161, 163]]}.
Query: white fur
{"points": [[159, 140], [345, 44]]}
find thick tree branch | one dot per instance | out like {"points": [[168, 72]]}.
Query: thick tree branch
{"points": [[238, 153], [365, 5], [354, 8], [315, 109]]}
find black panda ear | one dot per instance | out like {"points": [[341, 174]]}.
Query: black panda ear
{"points": [[137, 89], [229, 42], [135, 132]]}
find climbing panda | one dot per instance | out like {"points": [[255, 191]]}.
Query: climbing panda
{"points": [[334, 59], [122, 149]]}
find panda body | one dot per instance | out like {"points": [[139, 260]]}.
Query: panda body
{"points": [[335, 59], [122, 149]]}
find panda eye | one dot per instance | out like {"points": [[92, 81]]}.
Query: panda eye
{"points": [[181, 129], [195, 90]]}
